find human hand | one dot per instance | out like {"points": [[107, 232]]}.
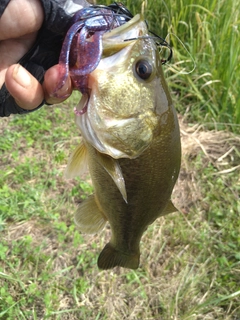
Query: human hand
{"points": [[16, 38]]}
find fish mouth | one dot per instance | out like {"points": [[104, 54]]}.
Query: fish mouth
{"points": [[113, 42]]}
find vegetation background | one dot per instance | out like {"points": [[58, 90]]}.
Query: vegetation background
{"points": [[190, 262]]}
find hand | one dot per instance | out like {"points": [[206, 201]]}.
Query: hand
{"points": [[16, 38]]}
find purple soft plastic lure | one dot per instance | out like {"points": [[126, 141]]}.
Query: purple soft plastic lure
{"points": [[82, 47]]}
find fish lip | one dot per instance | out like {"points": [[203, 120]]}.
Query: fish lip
{"points": [[81, 108], [120, 31], [121, 37]]}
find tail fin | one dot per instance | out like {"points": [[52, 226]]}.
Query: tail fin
{"points": [[110, 258]]}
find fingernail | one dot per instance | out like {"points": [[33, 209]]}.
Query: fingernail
{"points": [[63, 92], [21, 76]]}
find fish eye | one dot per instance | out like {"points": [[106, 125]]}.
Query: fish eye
{"points": [[143, 69]]}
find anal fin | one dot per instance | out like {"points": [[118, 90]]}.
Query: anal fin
{"points": [[168, 209], [88, 217]]}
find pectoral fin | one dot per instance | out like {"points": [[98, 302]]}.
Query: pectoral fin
{"points": [[114, 170], [77, 163], [88, 217], [168, 209]]}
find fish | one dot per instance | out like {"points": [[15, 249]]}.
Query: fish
{"points": [[130, 143]]}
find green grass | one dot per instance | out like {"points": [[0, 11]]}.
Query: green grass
{"points": [[190, 260]]}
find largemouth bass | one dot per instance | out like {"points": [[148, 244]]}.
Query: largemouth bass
{"points": [[130, 142]]}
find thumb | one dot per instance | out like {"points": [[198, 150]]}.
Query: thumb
{"points": [[51, 80]]}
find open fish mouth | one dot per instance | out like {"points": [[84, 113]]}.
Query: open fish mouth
{"points": [[112, 42]]}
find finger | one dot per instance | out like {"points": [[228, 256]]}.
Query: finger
{"points": [[21, 17], [51, 80], [12, 50], [25, 89]]}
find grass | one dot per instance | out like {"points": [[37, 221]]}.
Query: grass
{"points": [[190, 260]]}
